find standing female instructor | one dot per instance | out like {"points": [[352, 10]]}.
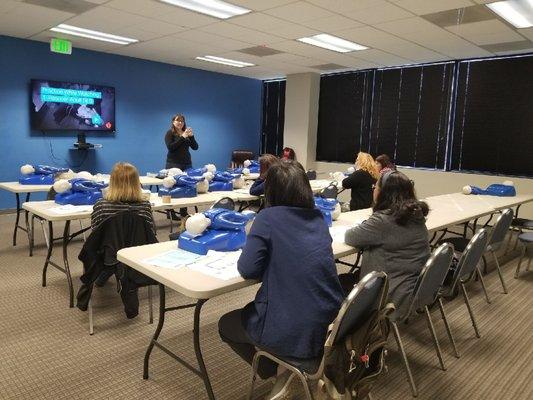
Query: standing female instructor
{"points": [[178, 140]]}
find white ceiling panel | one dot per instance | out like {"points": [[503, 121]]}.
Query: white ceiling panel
{"points": [[77, 42], [421, 7], [7, 5], [407, 25], [299, 12], [379, 13], [486, 32], [241, 33], [528, 33], [332, 24], [258, 21], [259, 5], [342, 6], [381, 58], [294, 31], [107, 20], [223, 43], [25, 20]]}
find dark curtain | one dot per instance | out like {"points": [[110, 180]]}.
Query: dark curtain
{"points": [[273, 117]]}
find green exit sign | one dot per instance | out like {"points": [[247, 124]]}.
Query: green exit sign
{"points": [[61, 46]]}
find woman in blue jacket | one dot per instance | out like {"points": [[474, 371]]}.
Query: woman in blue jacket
{"points": [[289, 250]]}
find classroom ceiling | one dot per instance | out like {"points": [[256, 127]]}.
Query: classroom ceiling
{"points": [[397, 32]]}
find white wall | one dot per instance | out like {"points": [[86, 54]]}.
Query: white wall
{"points": [[431, 183]]}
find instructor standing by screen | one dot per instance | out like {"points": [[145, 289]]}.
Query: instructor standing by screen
{"points": [[178, 140]]}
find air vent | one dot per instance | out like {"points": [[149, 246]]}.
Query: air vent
{"points": [[460, 16], [260, 51], [70, 6]]}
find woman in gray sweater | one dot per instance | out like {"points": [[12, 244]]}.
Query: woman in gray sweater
{"points": [[395, 238]]}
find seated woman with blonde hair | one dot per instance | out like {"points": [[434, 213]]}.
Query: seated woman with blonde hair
{"points": [[123, 194], [362, 181]]}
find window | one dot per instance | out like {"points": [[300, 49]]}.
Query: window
{"points": [[344, 116], [493, 124], [410, 111], [273, 116]]}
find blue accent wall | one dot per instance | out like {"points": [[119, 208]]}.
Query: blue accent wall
{"points": [[223, 110]]}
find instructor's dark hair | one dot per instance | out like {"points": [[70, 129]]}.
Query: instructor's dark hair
{"points": [[397, 197], [286, 184], [175, 117]]}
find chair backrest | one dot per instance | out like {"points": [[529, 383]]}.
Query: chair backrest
{"points": [[225, 202], [330, 192], [471, 256], [238, 157], [51, 194], [431, 278], [311, 174], [500, 229], [367, 297]]}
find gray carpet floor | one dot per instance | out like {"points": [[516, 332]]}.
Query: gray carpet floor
{"points": [[47, 353]]}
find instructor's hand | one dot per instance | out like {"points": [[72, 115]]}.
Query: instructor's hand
{"points": [[188, 132]]}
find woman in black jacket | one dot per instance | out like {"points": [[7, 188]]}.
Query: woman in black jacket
{"points": [[361, 182], [178, 140]]}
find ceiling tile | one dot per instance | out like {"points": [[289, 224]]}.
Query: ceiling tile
{"points": [[460, 16], [294, 31], [379, 13], [196, 36], [78, 42], [528, 32], [8, 5], [241, 33], [406, 25], [299, 12], [163, 12], [498, 48], [259, 21], [420, 7], [106, 19], [25, 20], [259, 5], [486, 32], [74, 7], [380, 57], [332, 24]]}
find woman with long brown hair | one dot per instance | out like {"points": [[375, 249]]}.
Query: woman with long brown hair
{"points": [[179, 138], [361, 182], [265, 162]]}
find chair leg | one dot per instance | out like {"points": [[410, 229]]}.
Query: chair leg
{"points": [[484, 264], [404, 357], [499, 272], [435, 339], [480, 276], [448, 330], [305, 383], [255, 363], [150, 305], [517, 272], [470, 311], [91, 324]]}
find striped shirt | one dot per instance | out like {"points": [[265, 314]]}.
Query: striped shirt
{"points": [[103, 209]]}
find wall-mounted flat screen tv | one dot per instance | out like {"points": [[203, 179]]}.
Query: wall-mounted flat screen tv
{"points": [[71, 106]]}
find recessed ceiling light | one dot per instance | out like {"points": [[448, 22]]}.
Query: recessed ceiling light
{"points": [[225, 61], [517, 12], [332, 43], [89, 34], [215, 8]]}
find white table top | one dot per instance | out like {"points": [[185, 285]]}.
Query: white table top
{"points": [[15, 187], [251, 177], [150, 180], [186, 281], [44, 209]]}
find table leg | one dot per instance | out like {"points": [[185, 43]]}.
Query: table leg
{"points": [[198, 350], [158, 329], [16, 220], [202, 371], [50, 248]]}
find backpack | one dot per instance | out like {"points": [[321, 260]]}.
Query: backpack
{"points": [[351, 367]]}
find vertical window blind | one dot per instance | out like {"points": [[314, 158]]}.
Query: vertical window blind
{"points": [[410, 114], [273, 116], [493, 124]]}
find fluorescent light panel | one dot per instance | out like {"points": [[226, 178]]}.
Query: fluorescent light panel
{"points": [[517, 12], [225, 61], [332, 43], [215, 8], [90, 34]]}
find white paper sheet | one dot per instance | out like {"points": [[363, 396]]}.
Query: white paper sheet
{"points": [[337, 233], [173, 259], [218, 264], [70, 209]]}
